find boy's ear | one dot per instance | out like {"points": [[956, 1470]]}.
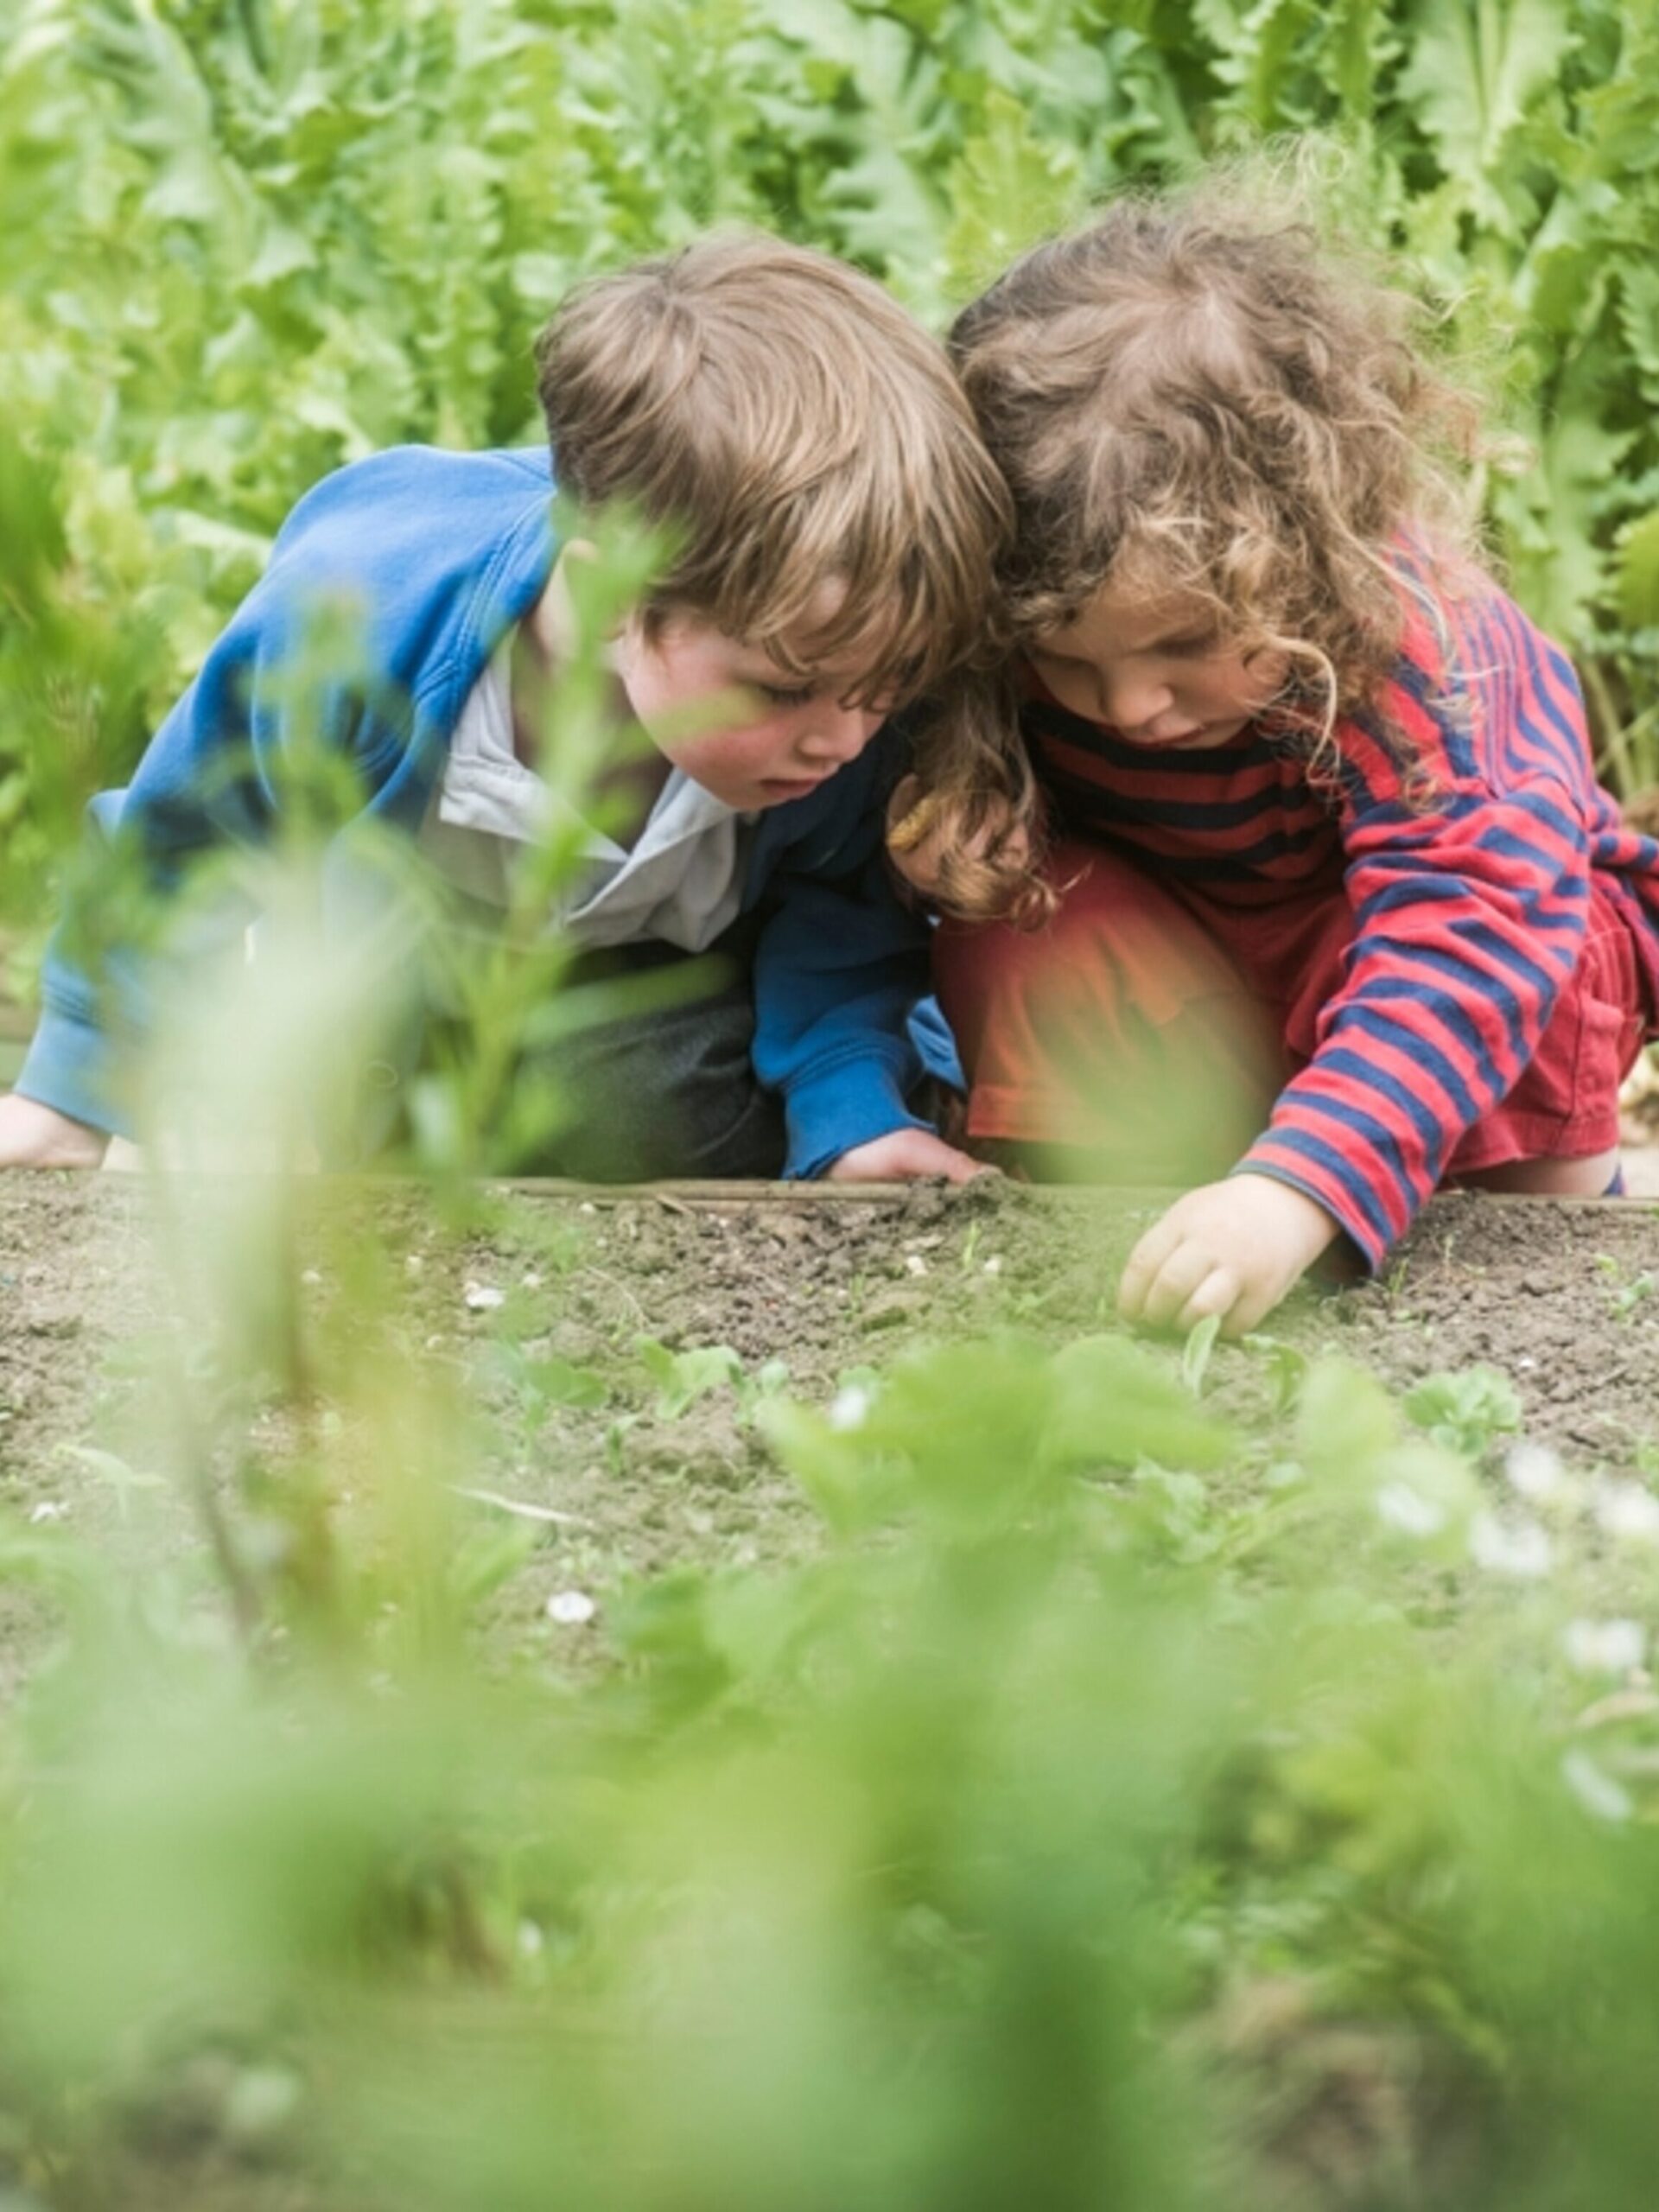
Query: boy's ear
{"points": [[554, 616]]}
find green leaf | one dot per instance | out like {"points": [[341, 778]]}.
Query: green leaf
{"points": [[1114, 1404], [1637, 570], [1475, 69], [1195, 1353], [1008, 187]]}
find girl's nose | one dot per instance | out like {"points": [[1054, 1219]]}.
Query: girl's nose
{"points": [[1133, 697]]}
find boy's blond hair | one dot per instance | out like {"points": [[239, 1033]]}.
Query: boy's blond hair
{"points": [[796, 429]]}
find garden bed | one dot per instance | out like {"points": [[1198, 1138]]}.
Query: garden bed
{"points": [[622, 1343]]}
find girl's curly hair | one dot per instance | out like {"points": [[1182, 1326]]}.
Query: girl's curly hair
{"points": [[1191, 398]]}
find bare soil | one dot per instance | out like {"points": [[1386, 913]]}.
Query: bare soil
{"points": [[1563, 1298]]}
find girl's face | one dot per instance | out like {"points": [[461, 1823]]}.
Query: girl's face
{"points": [[1154, 670]]}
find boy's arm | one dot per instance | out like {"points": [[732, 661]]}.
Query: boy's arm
{"points": [[137, 843], [212, 778], [385, 586], [841, 965]]}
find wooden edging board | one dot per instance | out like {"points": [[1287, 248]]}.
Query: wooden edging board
{"points": [[741, 1193]]}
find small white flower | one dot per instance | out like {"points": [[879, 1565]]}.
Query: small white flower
{"points": [[1534, 1470], [483, 1297], [570, 1608], [849, 1408], [586, 1206], [993, 1265], [1518, 1548], [413, 1264], [47, 1509], [1595, 1788], [1605, 1647], [532, 1281], [915, 1264], [311, 1277], [1626, 1510], [1402, 1507], [530, 1940]]}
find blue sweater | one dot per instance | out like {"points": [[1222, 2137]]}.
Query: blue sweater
{"points": [[441, 553]]}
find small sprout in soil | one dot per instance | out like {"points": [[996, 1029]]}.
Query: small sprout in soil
{"points": [[1624, 1299], [615, 1435], [115, 1474], [1195, 1356], [1466, 1408], [683, 1377], [1282, 1367]]}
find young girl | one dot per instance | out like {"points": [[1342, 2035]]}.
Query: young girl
{"points": [[1323, 820]]}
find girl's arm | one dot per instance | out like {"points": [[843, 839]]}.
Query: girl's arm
{"points": [[1471, 910]]}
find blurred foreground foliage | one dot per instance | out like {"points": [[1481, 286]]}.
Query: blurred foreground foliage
{"points": [[1111, 1812], [247, 242]]}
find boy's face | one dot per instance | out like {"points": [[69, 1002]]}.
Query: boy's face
{"points": [[1153, 670], [775, 739]]}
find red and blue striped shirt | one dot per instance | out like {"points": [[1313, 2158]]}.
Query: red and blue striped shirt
{"points": [[1470, 888]]}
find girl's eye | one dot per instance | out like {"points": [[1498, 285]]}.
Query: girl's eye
{"points": [[776, 696]]}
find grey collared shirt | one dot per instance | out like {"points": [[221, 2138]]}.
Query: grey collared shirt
{"points": [[681, 884]]}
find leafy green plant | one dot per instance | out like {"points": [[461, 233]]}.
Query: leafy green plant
{"points": [[1468, 1409], [247, 244]]}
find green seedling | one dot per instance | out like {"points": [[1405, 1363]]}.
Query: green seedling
{"points": [[1626, 1298], [1467, 1409], [683, 1377], [1282, 1366], [539, 1382], [114, 1472], [1195, 1355]]}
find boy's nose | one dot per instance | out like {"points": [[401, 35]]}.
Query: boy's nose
{"points": [[839, 735]]}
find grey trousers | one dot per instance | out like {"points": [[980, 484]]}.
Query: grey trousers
{"points": [[671, 1092]]}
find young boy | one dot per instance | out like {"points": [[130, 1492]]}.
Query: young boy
{"points": [[837, 521]]}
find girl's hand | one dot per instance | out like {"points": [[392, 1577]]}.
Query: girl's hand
{"points": [[904, 1155], [33, 1136], [915, 844], [1231, 1248]]}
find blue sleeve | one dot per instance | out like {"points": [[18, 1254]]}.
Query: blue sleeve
{"points": [[839, 969], [212, 777]]}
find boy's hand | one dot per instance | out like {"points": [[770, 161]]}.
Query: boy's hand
{"points": [[33, 1136], [903, 1156], [1232, 1249]]}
